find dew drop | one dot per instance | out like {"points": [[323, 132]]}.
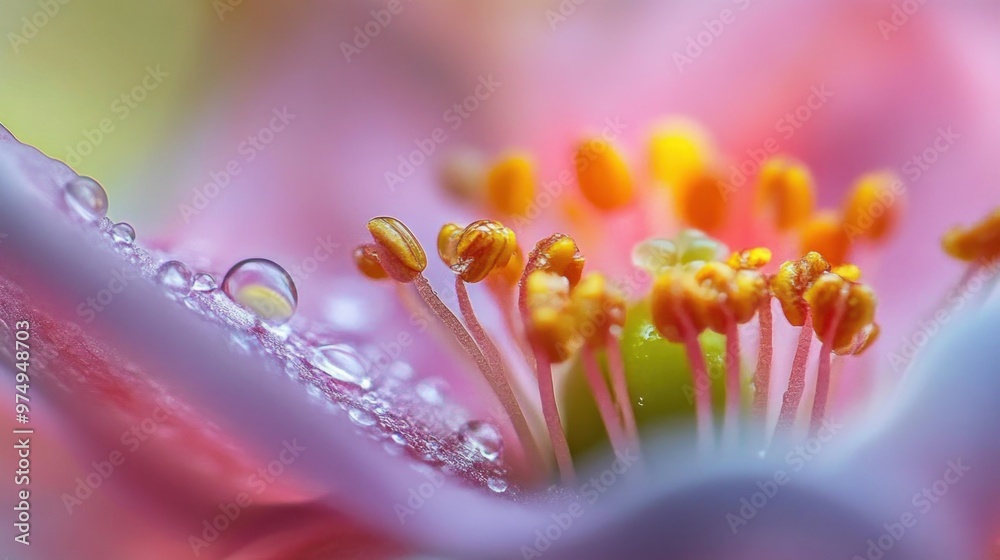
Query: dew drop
{"points": [[497, 485], [483, 437], [86, 198], [123, 232], [203, 282], [361, 417], [342, 363], [642, 401], [174, 275], [431, 390], [264, 288]]}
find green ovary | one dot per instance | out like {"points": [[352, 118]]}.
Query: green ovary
{"points": [[659, 383]]}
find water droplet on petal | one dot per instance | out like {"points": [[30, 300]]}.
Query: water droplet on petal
{"points": [[483, 437], [642, 401], [203, 282], [361, 417], [123, 232], [431, 390], [342, 363], [86, 198], [174, 275], [497, 485], [264, 288]]}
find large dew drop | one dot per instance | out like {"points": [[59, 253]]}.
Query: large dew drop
{"points": [[483, 437], [123, 232], [86, 199], [264, 288], [175, 276], [342, 363]]}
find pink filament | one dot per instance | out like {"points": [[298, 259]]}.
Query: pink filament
{"points": [[823, 372], [796, 380], [602, 397], [493, 376], [731, 421], [550, 411], [765, 352], [702, 390], [620, 387]]}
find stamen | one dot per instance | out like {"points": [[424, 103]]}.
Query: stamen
{"points": [[750, 259], [602, 397], [619, 385], [979, 242], [701, 201], [673, 301], [765, 353], [826, 348], [480, 248], [825, 234], [785, 192], [796, 380], [398, 250], [678, 149], [602, 174], [366, 259], [510, 185], [551, 333], [557, 254], [404, 260], [873, 207]]}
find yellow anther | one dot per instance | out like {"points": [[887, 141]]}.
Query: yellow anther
{"points": [[367, 262], [602, 174], [729, 295], [550, 327], [873, 206], [398, 243], [750, 259], [785, 192], [700, 201], [463, 174], [863, 341], [446, 241], [596, 308], [560, 255], [847, 272], [978, 242], [678, 150], [792, 280], [510, 185], [509, 274], [825, 234], [482, 247], [842, 310], [676, 304]]}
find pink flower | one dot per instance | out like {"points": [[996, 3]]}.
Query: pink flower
{"points": [[209, 392]]}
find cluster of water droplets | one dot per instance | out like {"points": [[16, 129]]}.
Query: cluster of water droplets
{"points": [[256, 302]]}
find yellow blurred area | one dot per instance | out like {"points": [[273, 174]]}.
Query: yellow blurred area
{"points": [[99, 83]]}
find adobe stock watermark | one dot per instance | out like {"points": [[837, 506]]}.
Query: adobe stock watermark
{"points": [[247, 151], [900, 16], [562, 13], [698, 43], [589, 494], [552, 189], [131, 440], [365, 33], [121, 107], [796, 459], [454, 117], [31, 25], [786, 127], [257, 482], [922, 503]]}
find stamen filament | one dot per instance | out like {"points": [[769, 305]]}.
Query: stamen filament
{"points": [[823, 371], [796, 380], [731, 420], [765, 353], [560, 447], [495, 379], [620, 387], [602, 397], [702, 384]]}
